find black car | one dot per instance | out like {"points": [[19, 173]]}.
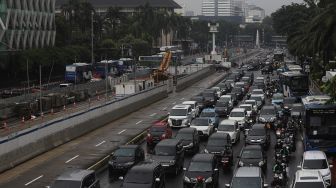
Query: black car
{"points": [[170, 154], [220, 145], [202, 172], [258, 135], [190, 139], [239, 92], [210, 97], [253, 155], [234, 77], [145, 175], [200, 101], [77, 178], [124, 158], [222, 108], [225, 88], [268, 115]]}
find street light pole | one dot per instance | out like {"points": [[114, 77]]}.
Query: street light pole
{"points": [[92, 58]]}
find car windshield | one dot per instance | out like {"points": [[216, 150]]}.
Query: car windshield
{"points": [[66, 184], [225, 99], [315, 164], [191, 104], [198, 166], [200, 122], [251, 154], [243, 182], [256, 98], [197, 99], [221, 104], [157, 129], [164, 151], [247, 108], [257, 92], [124, 152], [226, 127], [309, 185], [217, 142], [178, 112], [268, 111], [139, 177], [257, 132], [250, 102], [184, 136], [237, 114], [208, 114]]}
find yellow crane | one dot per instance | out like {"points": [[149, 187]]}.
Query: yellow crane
{"points": [[161, 74]]}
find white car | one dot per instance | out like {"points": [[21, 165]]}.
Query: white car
{"points": [[231, 127], [180, 116], [258, 92], [194, 108], [253, 103], [308, 179], [317, 161], [249, 109], [240, 115], [203, 125], [227, 98]]}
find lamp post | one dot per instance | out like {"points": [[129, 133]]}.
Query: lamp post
{"points": [[213, 30]]}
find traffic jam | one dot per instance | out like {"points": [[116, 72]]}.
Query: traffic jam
{"points": [[258, 127]]}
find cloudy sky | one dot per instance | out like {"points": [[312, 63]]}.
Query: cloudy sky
{"points": [[269, 5]]}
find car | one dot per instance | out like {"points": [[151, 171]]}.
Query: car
{"points": [[289, 101], [225, 88], [268, 115], [180, 116], [230, 82], [259, 99], [194, 108], [220, 145], [204, 126], [308, 179], [244, 85], [200, 101], [148, 174], [251, 177], [234, 98], [190, 139], [258, 92], [239, 92], [253, 155], [231, 127], [240, 115], [234, 77], [202, 170], [250, 111], [210, 97], [157, 132], [317, 161], [229, 99], [297, 110], [258, 135], [222, 109], [247, 79], [210, 113], [217, 90], [260, 79], [170, 154], [253, 103], [277, 99], [124, 158], [76, 178], [268, 69]]}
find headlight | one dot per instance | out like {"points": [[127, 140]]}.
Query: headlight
{"points": [[241, 163], [273, 118], [209, 180], [186, 179], [129, 163], [262, 119], [172, 162], [206, 151], [261, 163]]}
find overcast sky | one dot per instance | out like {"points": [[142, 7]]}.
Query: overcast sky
{"points": [[269, 5]]}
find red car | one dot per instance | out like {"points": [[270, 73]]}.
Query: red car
{"points": [[157, 132]]}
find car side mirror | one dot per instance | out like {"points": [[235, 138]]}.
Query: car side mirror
{"points": [[121, 178], [265, 185], [227, 185], [330, 166]]}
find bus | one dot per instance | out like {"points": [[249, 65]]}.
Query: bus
{"points": [[78, 72], [294, 84], [320, 124], [114, 68], [156, 58]]}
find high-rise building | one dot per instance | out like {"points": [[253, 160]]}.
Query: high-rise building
{"points": [[218, 8], [254, 14], [27, 24]]}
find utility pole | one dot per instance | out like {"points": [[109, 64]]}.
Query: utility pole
{"points": [[92, 58], [41, 112]]}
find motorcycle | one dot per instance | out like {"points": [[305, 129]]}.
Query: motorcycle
{"points": [[226, 164], [278, 179]]}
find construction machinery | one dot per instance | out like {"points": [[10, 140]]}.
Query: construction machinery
{"points": [[161, 73]]}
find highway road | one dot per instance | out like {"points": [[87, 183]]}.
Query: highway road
{"points": [[177, 182]]}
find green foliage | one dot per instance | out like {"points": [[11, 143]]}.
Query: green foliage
{"points": [[330, 88]]}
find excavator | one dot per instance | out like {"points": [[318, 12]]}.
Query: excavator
{"points": [[161, 73]]}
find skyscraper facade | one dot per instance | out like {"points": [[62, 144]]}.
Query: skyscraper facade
{"points": [[218, 8]]}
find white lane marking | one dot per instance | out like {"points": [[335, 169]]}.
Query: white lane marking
{"points": [[72, 159], [33, 180], [138, 122], [100, 143], [165, 108], [152, 115], [122, 131]]}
